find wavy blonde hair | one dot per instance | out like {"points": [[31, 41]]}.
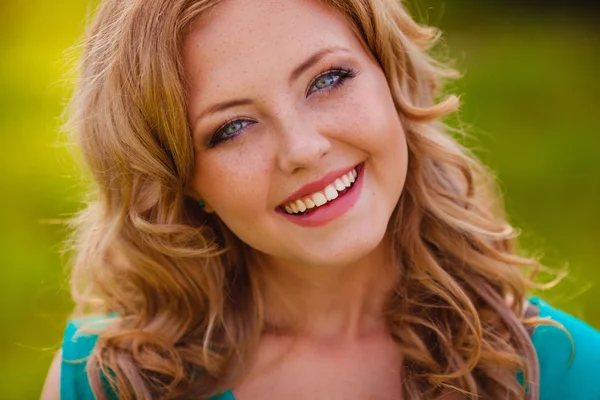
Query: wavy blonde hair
{"points": [[189, 307]]}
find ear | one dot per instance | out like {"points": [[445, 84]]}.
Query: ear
{"points": [[200, 201], [205, 206]]}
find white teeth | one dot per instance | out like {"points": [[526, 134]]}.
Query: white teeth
{"points": [[301, 206], [319, 199], [331, 193], [346, 181]]}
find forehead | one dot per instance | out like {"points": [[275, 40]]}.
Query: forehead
{"points": [[249, 37]]}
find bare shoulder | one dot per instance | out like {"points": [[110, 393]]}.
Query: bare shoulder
{"points": [[51, 390]]}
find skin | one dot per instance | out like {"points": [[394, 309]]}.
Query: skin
{"points": [[335, 276]]}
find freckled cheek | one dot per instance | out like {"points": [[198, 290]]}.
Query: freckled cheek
{"points": [[233, 186], [371, 122]]}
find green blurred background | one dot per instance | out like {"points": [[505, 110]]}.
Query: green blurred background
{"points": [[531, 99]]}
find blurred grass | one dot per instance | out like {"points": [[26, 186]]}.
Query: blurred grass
{"points": [[530, 93]]}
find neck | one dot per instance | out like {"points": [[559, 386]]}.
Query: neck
{"points": [[329, 303]]}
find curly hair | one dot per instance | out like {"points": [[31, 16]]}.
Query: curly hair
{"points": [[188, 304]]}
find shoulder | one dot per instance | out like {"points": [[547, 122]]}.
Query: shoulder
{"points": [[51, 389], [568, 358], [78, 343]]}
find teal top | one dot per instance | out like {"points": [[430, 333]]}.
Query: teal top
{"points": [[568, 369]]}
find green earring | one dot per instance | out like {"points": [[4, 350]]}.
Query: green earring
{"points": [[201, 203]]}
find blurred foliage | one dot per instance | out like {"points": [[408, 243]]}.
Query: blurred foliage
{"points": [[530, 96]]}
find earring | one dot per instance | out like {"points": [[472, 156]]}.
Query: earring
{"points": [[201, 203]]}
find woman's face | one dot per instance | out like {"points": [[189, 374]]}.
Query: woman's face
{"points": [[283, 95]]}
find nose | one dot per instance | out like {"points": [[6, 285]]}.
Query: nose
{"points": [[301, 146]]}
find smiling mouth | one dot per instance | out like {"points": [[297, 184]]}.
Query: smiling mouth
{"points": [[336, 189]]}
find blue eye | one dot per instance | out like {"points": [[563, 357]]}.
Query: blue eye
{"points": [[230, 130], [330, 79], [326, 80], [233, 127]]}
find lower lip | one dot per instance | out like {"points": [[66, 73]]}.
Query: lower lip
{"points": [[332, 210]]}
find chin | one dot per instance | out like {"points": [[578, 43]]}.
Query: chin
{"points": [[343, 250]]}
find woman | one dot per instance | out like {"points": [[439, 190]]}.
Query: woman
{"points": [[279, 213]]}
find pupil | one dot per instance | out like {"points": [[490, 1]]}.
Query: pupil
{"points": [[233, 127], [325, 81]]}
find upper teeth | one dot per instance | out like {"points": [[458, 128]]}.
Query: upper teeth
{"points": [[319, 198]]}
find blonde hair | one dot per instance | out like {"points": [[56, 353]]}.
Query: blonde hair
{"points": [[189, 307]]}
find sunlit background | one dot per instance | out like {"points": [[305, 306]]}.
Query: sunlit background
{"points": [[531, 96]]}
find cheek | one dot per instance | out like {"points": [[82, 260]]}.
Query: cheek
{"points": [[382, 137], [370, 112], [233, 182]]}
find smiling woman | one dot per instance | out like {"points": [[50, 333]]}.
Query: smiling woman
{"points": [[280, 213]]}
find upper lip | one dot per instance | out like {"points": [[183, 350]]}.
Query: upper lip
{"points": [[318, 185]]}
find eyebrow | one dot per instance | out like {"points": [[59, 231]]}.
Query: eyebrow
{"points": [[310, 61], [299, 70]]}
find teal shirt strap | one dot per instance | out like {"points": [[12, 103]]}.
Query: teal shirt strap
{"points": [[74, 383], [569, 366]]}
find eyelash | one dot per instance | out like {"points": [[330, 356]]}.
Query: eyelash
{"points": [[342, 73]]}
